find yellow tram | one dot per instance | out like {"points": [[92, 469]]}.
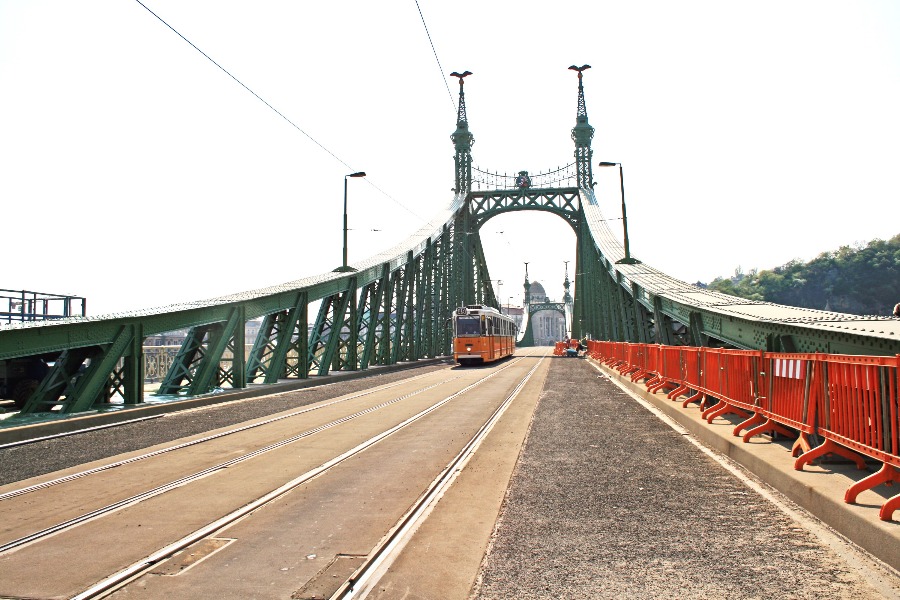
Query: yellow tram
{"points": [[482, 335]]}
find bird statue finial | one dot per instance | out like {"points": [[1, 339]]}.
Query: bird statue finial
{"points": [[461, 76], [579, 69]]}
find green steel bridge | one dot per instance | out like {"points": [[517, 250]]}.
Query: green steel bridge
{"points": [[394, 306]]}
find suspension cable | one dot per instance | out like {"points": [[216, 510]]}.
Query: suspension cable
{"points": [[279, 113], [294, 125], [440, 68]]}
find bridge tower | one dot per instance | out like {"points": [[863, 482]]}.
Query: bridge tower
{"points": [[463, 140], [582, 134], [471, 279]]}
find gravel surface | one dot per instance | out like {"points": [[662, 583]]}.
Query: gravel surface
{"points": [[30, 460], [609, 502]]}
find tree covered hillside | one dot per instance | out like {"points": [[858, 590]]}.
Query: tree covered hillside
{"points": [[861, 280]]}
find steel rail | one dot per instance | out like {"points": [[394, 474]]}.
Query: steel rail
{"points": [[215, 436], [387, 550], [116, 580]]}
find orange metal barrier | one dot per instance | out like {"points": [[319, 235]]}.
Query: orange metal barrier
{"points": [[559, 349], [731, 378], [693, 378], [851, 402], [858, 410], [671, 371]]}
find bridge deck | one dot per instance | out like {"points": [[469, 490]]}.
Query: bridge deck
{"points": [[607, 500]]}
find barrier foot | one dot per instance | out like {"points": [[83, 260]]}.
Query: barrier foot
{"points": [[801, 445], [887, 474], [828, 447], [658, 386], [681, 389], [769, 425], [726, 409], [887, 509], [749, 423], [711, 409], [639, 374], [713, 406], [694, 398]]}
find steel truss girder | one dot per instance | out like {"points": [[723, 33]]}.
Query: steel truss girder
{"points": [[82, 377], [197, 367], [484, 290], [374, 321], [687, 314], [415, 285], [333, 344], [432, 297], [280, 335]]}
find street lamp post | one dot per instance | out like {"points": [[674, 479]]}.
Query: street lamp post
{"points": [[344, 266], [628, 260]]}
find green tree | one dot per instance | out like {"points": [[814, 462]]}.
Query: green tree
{"points": [[861, 279]]}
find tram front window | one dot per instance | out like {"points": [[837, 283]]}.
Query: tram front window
{"points": [[468, 326]]}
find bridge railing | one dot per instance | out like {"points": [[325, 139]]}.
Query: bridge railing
{"points": [[157, 360], [836, 404]]}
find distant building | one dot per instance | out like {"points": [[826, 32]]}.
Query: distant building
{"points": [[549, 325], [516, 312]]}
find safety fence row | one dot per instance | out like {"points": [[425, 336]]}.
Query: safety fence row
{"points": [[567, 348], [834, 404]]}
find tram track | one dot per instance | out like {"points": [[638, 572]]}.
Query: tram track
{"points": [[136, 569], [379, 560], [202, 440], [156, 491]]}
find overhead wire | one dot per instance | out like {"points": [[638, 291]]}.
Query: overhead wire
{"points": [[279, 113]]}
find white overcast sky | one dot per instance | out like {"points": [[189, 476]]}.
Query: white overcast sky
{"points": [[135, 172]]}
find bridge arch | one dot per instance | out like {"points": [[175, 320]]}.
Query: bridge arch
{"points": [[563, 202]]}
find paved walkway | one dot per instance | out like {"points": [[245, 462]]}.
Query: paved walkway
{"points": [[609, 502]]}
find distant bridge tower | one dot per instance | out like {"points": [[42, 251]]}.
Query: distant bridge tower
{"points": [[527, 295], [569, 304]]}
